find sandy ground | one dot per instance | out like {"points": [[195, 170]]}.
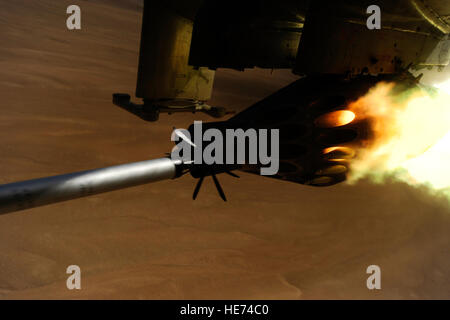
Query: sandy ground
{"points": [[271, 240]]}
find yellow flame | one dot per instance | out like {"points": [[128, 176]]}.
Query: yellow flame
{"points": [[411, 136]]}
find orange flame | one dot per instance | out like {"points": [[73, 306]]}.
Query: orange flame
{"points": [[335, 119]]}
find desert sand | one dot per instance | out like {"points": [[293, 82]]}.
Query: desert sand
{"points": [[271, 240]]}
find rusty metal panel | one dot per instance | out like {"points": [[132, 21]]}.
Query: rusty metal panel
{"points": [[436, 12], [164, 72], [336, 39]]}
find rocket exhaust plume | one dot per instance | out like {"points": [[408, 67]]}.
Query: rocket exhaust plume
{"points": [[410, 139]]}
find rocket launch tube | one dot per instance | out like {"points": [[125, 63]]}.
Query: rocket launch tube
{"points": [[33, 193]]}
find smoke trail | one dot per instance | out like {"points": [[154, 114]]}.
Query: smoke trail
{"points": [[411, 136]]}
